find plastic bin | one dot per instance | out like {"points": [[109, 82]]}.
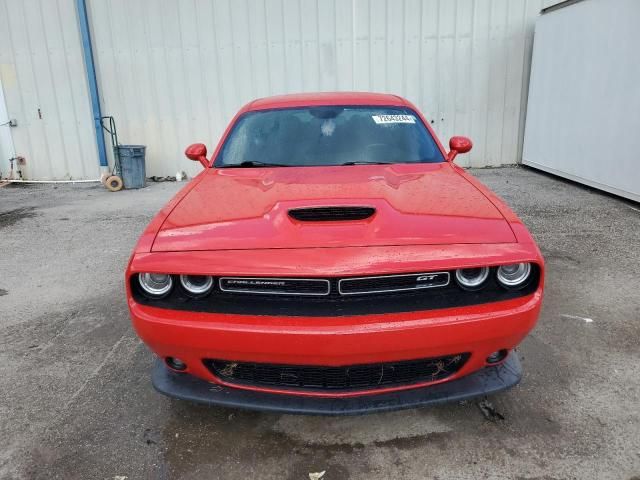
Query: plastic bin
{"points": [[132, 167]]}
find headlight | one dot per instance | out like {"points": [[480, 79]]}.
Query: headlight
{"points": [[155, 284], [514, 275], [472, 278], [196, 284]]}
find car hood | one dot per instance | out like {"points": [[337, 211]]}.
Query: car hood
{"points": [[248, 208]]}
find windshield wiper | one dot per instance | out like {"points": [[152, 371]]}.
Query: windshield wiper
{"points": [[367, 163], [253, 163]]}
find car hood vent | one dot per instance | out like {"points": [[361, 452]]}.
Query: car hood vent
{"points": [[331, 214]]}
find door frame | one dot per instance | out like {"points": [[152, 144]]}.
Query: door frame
{"points": [[7, 149]]}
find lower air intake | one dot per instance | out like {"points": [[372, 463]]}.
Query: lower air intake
{"points": [[352, 377], [331, 214]]}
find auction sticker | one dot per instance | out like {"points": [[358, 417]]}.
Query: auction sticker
{"points": [[380, 119]]}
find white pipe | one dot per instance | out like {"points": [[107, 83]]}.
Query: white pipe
{"points": [[49, 181]]}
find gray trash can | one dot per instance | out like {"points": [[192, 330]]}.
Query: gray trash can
{"points": [[132, 168]]}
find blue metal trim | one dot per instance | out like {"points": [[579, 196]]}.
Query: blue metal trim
{"points": [[85, 34]]}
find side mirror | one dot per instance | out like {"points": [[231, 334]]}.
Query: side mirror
{"points": [[458, 145], [198, 152]]}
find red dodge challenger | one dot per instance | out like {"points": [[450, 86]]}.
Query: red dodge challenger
{"points": [[332, 259]]}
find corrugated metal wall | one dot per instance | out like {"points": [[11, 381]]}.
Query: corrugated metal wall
{"points": [[174, 72], [43, 77]]}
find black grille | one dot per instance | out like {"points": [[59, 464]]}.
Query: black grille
{"points": [[335, 304], [275, 286], [392, 283], [331, 214], [351, 377]]}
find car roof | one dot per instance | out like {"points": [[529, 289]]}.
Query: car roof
{"points": [[326, 98]]}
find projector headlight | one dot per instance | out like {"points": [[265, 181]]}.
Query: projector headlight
{"points": [[155, 285], [514, 275], [472, 278], [196, 285]]}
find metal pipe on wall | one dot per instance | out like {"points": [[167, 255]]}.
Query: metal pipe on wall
{"points": [[8, 180], [87, 51]]}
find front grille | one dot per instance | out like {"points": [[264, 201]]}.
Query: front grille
{"points": [[392, 283], [275, 286], [346, 286], [360, 296], [351, 377], [330, 214]]}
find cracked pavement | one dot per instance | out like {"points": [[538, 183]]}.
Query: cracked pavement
{"points": [[76, 400]]}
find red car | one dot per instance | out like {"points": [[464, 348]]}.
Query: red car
{"points": [[332, 259]]}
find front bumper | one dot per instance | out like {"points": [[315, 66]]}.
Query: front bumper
{"points": [[338, 341], [486, 381]]}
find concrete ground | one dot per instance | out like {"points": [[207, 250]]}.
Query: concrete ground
{"points": [[76, 401]]}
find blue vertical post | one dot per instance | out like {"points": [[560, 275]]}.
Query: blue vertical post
{"points": [[85, 34]]}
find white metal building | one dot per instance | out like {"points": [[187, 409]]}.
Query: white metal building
{"points": [[174, 72]]}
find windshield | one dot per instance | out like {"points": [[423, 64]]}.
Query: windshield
{"points": [[328, 135]]}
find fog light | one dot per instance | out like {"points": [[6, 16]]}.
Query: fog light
{"points": [[496, 357], [175, 364]]}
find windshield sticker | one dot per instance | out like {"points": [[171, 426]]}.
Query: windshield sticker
{"points": [[328, 127], [381, 119]]}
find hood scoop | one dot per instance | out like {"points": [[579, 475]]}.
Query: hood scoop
{"points": [[331, 213]]}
